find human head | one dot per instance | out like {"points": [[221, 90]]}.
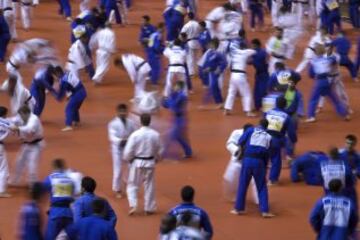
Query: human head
{"points": [[292, 83], [188, 194], [335, 185], [122, 110], [242, 33], [319, 49], [263, 123], [177, 42], [3, 111], [183, 37], [78, 21], [350, 141], [214, 43], [58, 164], [255, 43], [98, 206], [58, 71], [278, 32], [334, 153], [281, 103], [284, 9], [168, 223], [84, 38], [279, 66], [191, 15], [88, 184], [146, 19], [202, 25], [145, 119], [24, 113], [227, 6], [36, 191]]}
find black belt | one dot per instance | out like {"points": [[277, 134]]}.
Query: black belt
{"points": [[137, 68], [26, 4], [177, 65], [253, 155], [7, 9], [144, 158], [301, 2], [278, 56], [28, 99], [191, 39], [237, 71], [333, 75], [1, 143], [313, 49], [61, 204], [15, 0], [13, 64], [34, 141]]}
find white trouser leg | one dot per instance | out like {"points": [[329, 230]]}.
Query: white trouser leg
{"points": [[233, 89], [4, 169], [140, 84], [245, 92], [33, 157], [102, 65], [190, 60], [134, 182], [84, 5], [15, 8], [112, 17], [11, 21], [168, 83], [26, 16], [149, 189], [274, 12], [117, 168], [20, 164], [321, 103], [123, 11], [302, 65]]}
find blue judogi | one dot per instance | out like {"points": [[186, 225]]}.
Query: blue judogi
{"points": [[111, 5], [256, 146], [30, 222], [319, 69], [279, 126], [260, 63], [4, 37], [333, 169], [71, 83], [354, 12], [334, 217], [199, 218], [204, 39], [256, 11], [307, 167], [61, 188], [174, 19], [343, 46], [154, 50], [65, 8], [145, 31], [42, 81], [214, 65], [82, 208], [92, 228], [279, 79], [351, 158], [357, 60], [330, 15], [177, 103]]}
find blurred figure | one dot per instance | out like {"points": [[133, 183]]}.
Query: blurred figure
{"points": [[350, 155], [4, 35], [4, 169], [168, 224], [186, 229]]}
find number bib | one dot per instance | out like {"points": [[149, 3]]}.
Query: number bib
{"points": [[283, 77], [62, 188], [260, 138], [333, 171], [276, 123], [332, 4]]}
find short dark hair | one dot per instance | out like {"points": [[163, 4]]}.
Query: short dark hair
{"points": [[145, 119], [203, 24], [36, 190], [58, 70], [281, 102], [264, 123], [335, 185], [188, 193], [168, 223], [181, 84], [98, 205], [334, 153], [256, 42], [279, 65], [146, 18], [121, 107], [177, 42], [242, 33], [3, 111], [58, 163], [88, 184], [351, 138], [191, 15], [24, 109], [118, 61]]}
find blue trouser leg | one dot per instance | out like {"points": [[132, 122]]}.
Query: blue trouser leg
{"points": [[289, 145], [179, 134], [346, 62], [315, 97], [354, 15], [188, 78], [117, 15], [339, 107], [128, 3], [260, 90], [175, 25], [334, 19], [214, 88], [276, 163], [55, 225], [252, 16], [4, 41], [40, 98], [260, 182], [269, 4], [66, 7], [73, 107], [155, 63], [324, 20], [90, 70], [204, 77], [244, 180]]}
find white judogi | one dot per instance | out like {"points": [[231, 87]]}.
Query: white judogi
{"points": [[21, 55], [177, 60], [4, 169], [293, 31], [121, 5], [228, 28], [232, 172], [76, 177], [9, 16], [119, 131], [309, 53], [277, 47], [105, 42], [138, 70], [84, 5], [214, 16], [77, 57], [26, 12], [275, 8], [192, 30], [21, 97], [238, 82], [298, 8], [143, 149], [31, 134], [147, 102]]}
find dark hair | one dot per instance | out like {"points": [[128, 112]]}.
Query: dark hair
{"points": [[242, 33], [145, 119], [203, 24], [88, 184], [279, 29], [121, 107], [247, 126], [191, 15], [264, 123], [227, 6], [146, 18], [168, 223], [187, 193], [177, 42], [98, 205], [281, 102], [334, 153], [36, 190], [216, 42], [256, 42], [335, 185], [58, 163], [59, 70], [24, 110], [351, 138], [3, 111], [78, 21], [279, 65]]}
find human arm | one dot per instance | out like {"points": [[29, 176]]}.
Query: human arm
{"points": [[111, 215], [317, 216], [206, 225]]}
